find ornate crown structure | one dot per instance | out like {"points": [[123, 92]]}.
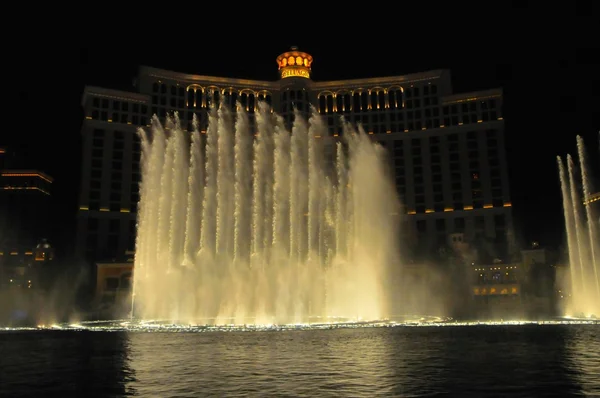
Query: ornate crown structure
{"points": [[294, 63]]}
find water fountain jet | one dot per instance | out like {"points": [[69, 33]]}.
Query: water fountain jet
{"points": [[288, 227], [583, 237]]}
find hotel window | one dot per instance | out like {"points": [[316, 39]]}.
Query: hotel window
{"points": [[499, 220], [113, 225], [440, 224], [459, 224], [94, 195], [92, 224]]}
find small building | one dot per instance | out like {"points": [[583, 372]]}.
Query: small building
{"points": [[497, 291], [114, 281]]}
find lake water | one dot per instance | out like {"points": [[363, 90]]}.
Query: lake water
{"points": [[458, 361]]}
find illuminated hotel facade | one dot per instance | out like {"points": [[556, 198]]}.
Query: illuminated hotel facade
{"points": [[447, 149]]}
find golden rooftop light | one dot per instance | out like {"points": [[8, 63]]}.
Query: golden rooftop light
{"points": [[294, 63]]}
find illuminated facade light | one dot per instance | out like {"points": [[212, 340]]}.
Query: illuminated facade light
{"points": [[592, 199], [294, 63], [26, 189], [27, 174]]}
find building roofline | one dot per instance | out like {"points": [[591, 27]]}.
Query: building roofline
{"points": [[113, 94], [410, 78], [472, 96], [25, 173], [191, 78]]}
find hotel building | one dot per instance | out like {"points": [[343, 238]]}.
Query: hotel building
{"points": [[24, 206], [24, 223], [447, 149]]}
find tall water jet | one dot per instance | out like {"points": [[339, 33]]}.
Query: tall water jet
{"points": [[225, 183], [208, 230], [195, 195], [243, 187], [591, 230], [267, 229], [582, 234]]}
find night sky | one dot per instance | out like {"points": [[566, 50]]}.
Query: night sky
{"points": [[546, 60]]}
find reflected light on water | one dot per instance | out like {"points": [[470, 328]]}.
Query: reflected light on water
{"points": [[517, 359], [583, 352]]}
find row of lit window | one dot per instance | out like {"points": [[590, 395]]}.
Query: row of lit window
{"points": [[410, 212], [117, 105], [494, 291], [392, 99], [495, 268], [123, 118], [411, 126], [465, 208]]}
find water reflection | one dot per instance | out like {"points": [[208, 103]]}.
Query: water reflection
{"points": [[499, 361], [65, 364], [474, 361], [583, 355]]}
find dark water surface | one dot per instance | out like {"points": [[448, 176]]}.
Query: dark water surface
{"points": [[472, 361]]}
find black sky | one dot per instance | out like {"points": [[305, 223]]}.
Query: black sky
{"points": [[546, 60]]}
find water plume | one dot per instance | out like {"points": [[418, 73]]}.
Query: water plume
{"points": [[283, 227]]}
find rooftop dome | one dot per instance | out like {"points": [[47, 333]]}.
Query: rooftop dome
{"points": [[294, 63]]}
